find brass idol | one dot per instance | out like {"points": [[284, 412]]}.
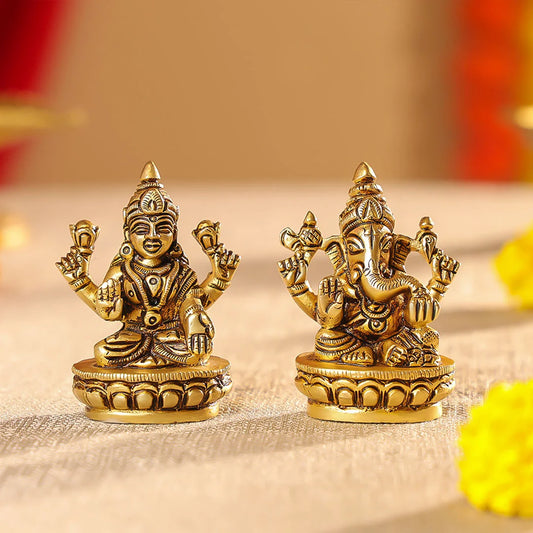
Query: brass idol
{"points": [[158, 367], [375, 358]]}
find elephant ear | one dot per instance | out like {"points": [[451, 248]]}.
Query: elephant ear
{"points": [[401, 248], [333, 246]]}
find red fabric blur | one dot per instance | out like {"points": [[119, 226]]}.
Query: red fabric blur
{"points": [[486, 74], [27, 34]]}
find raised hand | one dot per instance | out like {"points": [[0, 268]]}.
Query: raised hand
{"points": [[330, 302], [310, 237], [444, 267], [109, 302], [307, 241], [293, 270], [225, 262], [74, 265]]}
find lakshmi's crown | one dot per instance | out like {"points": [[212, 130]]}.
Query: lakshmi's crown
{"points": [[150, 198], [366, 202]]}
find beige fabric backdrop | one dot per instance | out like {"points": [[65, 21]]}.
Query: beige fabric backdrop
{"points": [[262, 465], [241, 90]]}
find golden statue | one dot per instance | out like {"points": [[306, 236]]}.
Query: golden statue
{"points": [[376, 358], [158, 367]]}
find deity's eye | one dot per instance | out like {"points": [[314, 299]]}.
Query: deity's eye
{"points": [[354, 246], [140, 228], [164, 227], [386, 243]]}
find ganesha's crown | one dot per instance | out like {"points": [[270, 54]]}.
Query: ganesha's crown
{"points": [[150, 198], [366, 203]]}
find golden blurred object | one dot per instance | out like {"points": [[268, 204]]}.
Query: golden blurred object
{"points": [[523, 117], [376, 358], [13, 231], [20, 119], [513, 265], [158, 367], [496, 466]]}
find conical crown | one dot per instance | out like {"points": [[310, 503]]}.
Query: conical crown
{"points": [[150, 175], [366, 202], [150, 197]]}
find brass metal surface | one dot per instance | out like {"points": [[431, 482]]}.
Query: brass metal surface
{"points": [[307, 362], [159, 364], [377, 393], [152, 395], [375, 350], [156, 417], [376, 416], [215, 366]]}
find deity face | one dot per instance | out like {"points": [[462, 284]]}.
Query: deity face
{"points": [[152, 236], [369, 242]]}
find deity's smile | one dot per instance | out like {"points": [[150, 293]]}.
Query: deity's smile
{"points": [[152, 246]]}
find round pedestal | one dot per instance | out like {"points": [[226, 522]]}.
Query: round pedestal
{"points": [[164, 395], [373, 394]]}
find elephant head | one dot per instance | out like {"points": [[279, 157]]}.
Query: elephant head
{"points": [[373, 255]]}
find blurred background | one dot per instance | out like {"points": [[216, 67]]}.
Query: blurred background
{"points": [[268, 106], [243, 90]]}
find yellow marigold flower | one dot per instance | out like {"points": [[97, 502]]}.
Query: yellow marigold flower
{"points": [[514, 266], [496, 466]]}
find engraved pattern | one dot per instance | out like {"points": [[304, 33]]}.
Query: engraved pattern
{"points": [[370, 311], [159, 363], [173, 395], [150, 285], [152, 202], [371, 389]]}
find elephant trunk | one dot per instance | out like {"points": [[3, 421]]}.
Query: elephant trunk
{"points": [[381, 289]]}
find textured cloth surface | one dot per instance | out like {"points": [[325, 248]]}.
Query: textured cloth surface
{"points": [[262, 464]]}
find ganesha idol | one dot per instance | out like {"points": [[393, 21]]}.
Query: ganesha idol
{"points": [[159, 367], [375, 358]]}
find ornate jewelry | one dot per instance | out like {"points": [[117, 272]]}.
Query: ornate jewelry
{"points": [[158, 368], [376, 357]]}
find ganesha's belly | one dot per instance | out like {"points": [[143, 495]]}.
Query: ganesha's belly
{"points": [[376, 322]]}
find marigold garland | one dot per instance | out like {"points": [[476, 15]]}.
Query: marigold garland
{"points": [[496, 467], [513, 265]]}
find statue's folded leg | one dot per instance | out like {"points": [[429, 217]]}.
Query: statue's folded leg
{"points": [[411, 347], [118, 349], [429, 340], [340, 345], [169, 345], [428, 336], [393, 351]]}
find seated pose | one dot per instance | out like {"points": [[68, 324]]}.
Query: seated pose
{"points": [[369, 311], [150, 286]]}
